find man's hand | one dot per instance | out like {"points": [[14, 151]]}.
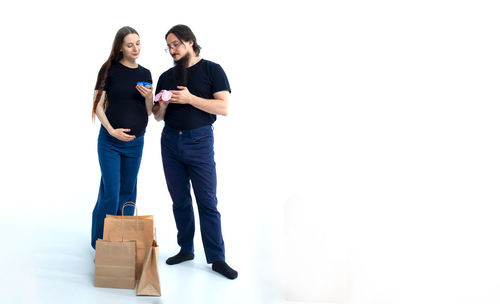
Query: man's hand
{"points": [[181, 96]]}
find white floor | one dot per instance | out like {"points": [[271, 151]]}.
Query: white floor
{"points": [[357, 258], [50, 261]]}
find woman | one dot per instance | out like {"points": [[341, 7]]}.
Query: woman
{"points": [[122, 106]]}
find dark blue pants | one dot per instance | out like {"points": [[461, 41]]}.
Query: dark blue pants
{"points": [[119, 161], [189, 156]]}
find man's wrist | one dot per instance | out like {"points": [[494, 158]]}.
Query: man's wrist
{"points": [[194, 100]]}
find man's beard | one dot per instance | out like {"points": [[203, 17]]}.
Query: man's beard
{"points": [[181, 70]]}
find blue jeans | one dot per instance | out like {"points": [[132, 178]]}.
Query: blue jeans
{"points": [[119, 161], [188, 156]]}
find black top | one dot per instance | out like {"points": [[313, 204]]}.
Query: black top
{"points": [[204, 79], [126, 107]]}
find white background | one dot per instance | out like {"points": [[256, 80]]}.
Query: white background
{"points": [[359, 162]]}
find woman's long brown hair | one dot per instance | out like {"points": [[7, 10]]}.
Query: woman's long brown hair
{"points": [[114, 57]]}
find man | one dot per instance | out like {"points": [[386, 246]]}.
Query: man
{"points": [[200, 91]]}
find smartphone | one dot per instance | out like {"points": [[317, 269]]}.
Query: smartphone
{"points": [[146, 84]]}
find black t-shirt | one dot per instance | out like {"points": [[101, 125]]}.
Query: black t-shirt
{"points": [[126, 107], [204, 79]]}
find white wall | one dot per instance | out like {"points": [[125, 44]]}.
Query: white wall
{"points": [[363, 135]]}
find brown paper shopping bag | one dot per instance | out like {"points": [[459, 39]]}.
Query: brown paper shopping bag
{"points": [[133, 228], [115, 264], [149, 282]]}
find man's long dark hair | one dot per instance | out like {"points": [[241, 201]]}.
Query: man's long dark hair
{"points": [[183, 33]]}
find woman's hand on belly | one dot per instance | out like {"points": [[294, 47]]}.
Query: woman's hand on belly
{"points": [[121, 135]]}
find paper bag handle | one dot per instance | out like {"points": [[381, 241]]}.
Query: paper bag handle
{"points": [[131, 204]]}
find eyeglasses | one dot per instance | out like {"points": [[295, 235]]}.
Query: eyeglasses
{"points": [[173, 46]]}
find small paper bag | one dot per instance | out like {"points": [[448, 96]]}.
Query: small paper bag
{"points": [[115, 264], [149, 283]]}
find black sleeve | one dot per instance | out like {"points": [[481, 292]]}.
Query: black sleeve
{"points": [[158, 85], [219, 80], [148, 76], [157, 90]]}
